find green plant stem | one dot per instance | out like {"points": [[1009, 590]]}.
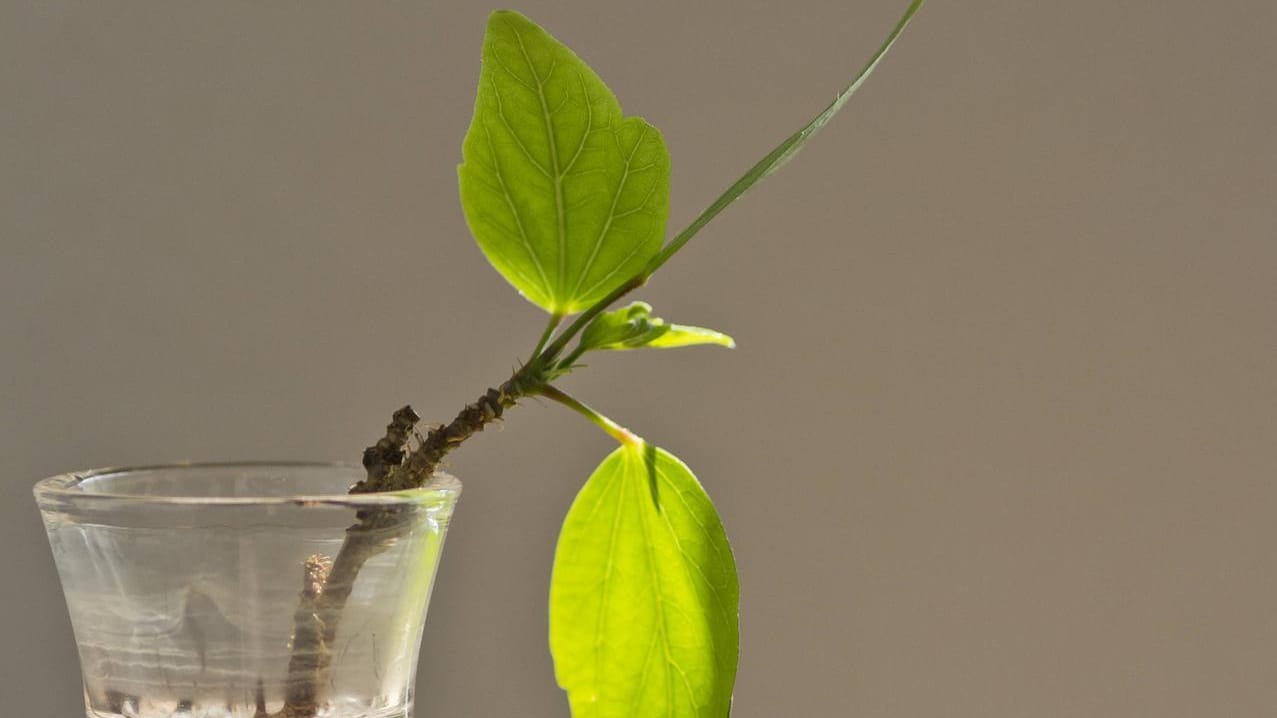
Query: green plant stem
{"points": [[784, 151], [555, 320], [611, 428], [570, 360], [556, 347]]}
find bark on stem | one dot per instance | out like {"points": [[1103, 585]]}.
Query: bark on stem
{"points": [[318, 616], [308, 631], [422, 462]]}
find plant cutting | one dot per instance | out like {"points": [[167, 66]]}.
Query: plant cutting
{"points": [[314, 602]]}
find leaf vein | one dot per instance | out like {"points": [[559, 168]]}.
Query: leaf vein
{"points": [[514, 212], [601, 622], [694, 564], [657, 595], [619, 266], [611, 215], [552, 141], [589, 123], [513, 75], [518, 142]]}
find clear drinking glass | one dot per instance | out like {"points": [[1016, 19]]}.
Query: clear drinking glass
{"points": [[209, 590]]}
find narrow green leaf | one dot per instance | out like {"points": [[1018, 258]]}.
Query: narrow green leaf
{"points": [[566, 197], [784, 151], [681, 335], [633, 327], [644, 596]]}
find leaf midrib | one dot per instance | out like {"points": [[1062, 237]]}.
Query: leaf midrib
{"points": [[659, 596], [557, 175]]}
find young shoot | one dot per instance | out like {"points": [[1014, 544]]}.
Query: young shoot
{"points": [[568, 197]]}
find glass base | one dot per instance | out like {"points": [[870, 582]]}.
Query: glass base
{"points": [[222, 590], [139, 708]]}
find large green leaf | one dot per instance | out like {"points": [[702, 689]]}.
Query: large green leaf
{"points": [[633, 327], [566, 197], [644, 596]]}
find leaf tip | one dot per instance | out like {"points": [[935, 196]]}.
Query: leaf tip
{"points": [[512, 20], [505, 13]]}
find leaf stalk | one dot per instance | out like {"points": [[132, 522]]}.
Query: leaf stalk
{"points": [[555, 320], [611, 428]]}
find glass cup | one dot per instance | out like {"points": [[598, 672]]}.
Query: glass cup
{"points": [[245, 590]]}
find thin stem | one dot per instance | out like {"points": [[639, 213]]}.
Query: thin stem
{"points": [[782, 152], [555, 320], [570, 360], [613, 429], [556, 347]]}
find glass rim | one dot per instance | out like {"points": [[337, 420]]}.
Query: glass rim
{"points": [[67, 487]]}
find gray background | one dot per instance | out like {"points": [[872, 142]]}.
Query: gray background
{"points": [[1000, 436]]}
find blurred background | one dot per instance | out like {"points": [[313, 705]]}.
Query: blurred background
{"points": [[1000, 436]]}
